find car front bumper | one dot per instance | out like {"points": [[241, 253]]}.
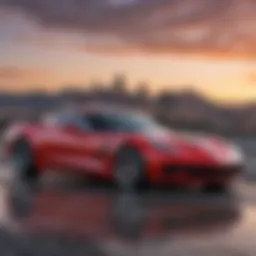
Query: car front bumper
{"points": [[199, 172]]}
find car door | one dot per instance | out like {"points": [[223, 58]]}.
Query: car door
{"points": [[104, 141], [92, 149], [48, 141], [76, 146]]}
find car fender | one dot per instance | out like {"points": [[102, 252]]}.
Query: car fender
{"points": [[15, 133]]}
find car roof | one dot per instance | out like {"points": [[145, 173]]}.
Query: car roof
{"points": [[100, 108]]}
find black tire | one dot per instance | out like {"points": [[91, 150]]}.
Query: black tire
{"points": [[129, 170], [23, 162], [24, 181], [215, 189]]}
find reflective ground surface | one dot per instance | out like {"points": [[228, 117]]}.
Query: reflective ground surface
{"points": [[97, 220]]}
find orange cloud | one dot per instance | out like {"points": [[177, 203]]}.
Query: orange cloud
{"points": [[225, 27], [19, 78], [18, 73], [164, 50], [252, 78], [11, 73]]}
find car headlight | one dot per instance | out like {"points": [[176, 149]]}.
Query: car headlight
{"points": [[236, 154], [162, 145]]}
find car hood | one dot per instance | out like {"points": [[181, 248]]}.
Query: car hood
{"points": [[191, 144]]}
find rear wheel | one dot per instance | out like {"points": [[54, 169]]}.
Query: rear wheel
{"points": [[128, 170], [24, 180], [23, 163]]}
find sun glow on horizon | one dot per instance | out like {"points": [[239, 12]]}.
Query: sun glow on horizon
{"points": [[34, 57]]}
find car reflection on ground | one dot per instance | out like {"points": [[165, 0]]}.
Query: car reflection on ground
{"points": [[105, 214]]}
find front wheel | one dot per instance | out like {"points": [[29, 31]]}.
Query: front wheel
{"points": [[128, 170]]}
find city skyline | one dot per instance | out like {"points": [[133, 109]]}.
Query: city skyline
{"points": [[48, 47]]}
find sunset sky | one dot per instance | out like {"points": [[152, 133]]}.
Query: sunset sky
{"points": [[45, 44]]}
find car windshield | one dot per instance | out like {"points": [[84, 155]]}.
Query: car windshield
{"points": [[121, 122]]}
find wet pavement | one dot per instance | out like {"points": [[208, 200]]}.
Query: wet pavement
{"points": [[97, 220]]}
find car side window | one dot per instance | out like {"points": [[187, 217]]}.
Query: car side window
{"points": [[63, 120], [83, 123], [49, 119], [76, 120], [98, 123]]}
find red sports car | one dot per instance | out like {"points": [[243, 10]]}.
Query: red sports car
{"points": [[126, 147]]}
